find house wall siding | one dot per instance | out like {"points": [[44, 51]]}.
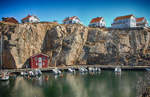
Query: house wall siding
{"points": [[73, 21], [143, 23], [32, 19], [34, 61], [98, 24], [124, 23]]}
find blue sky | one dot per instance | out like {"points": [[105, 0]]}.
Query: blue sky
{"points": [[49, 10]]}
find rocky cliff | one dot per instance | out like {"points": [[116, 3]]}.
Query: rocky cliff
{"points": [[74, 44]]}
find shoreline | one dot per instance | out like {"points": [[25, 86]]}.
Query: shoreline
{"points": [[63, 68]]}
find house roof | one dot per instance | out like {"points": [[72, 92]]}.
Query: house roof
{"points": [[139, 19], [27, 17], [123, 17], [98, 19], [70, 18], [10, 19]]}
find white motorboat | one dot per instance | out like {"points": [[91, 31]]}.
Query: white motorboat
{"points": [[147, 69], [23, 73], [56, 71], [37, 72], [117, 70], [31, 74], [91, 69], [94, 69], [4, 76], [82, 69], [98, 69], [72, 70]]}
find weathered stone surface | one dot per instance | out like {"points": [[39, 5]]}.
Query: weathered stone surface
{"points": [[112, 46], [143, 85], [74, 44], [66, 43], [22, 41]]}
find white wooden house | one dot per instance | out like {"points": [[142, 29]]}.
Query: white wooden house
{"points": [[128, 21], [97, 22], [141, 22], [72, 20], [30, 19]]}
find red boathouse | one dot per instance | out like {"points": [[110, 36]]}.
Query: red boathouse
{"points": [[39, 61]]}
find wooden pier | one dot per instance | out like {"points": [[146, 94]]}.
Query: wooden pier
{"points": [[103, 67]]}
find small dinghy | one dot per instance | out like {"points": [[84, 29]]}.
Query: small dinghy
{"points": [[98, 69], [117, 70], [91, 69], [56, 71], [23, 73], [72, 70], [31, 74], [4, 76], [147, 69], [82, 69], [94, 69], [37, 72]]}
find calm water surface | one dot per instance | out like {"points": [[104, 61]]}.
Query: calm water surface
{"points": [[104, 84]]}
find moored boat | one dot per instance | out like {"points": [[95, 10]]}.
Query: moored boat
{"points": [[117, 70], [56, 71], [99, 69], [82, 69], [4, 76], [72, 70], [91, 69], [31, 74], [147, 69], [37, 72], [94, 69], [23, 73]]}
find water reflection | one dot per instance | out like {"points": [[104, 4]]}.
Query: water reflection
{"points": [[23, 88], [58, 76], [109, 86], [77, 85], [4, 84], [93, 73], [104, 84]]}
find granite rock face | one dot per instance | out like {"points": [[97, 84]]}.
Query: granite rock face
{"points": [[112, 46], [73, 44], [65, 43], [22, 41]]}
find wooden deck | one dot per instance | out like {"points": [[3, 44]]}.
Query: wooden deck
{"points": [[103, 67]]}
